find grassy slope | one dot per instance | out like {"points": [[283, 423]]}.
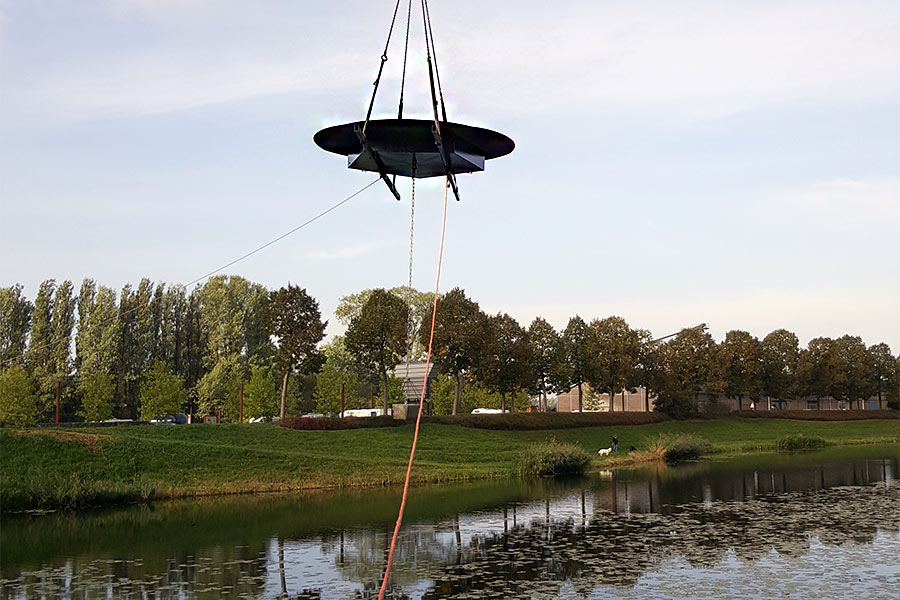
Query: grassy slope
{"points": [[53, 468]]}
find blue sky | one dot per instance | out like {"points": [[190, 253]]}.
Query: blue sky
{"points": [[677, 162]]}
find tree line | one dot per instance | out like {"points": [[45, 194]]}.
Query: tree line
{"points": [[153, 350]]}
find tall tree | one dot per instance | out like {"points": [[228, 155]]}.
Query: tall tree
{"points": [[231, 310], [48, 356], [96, 345], [507, 362], [615, 350], [818, 369], [377, 336], [218, 391], [779, 355], [15, 323], [195, 347], [38, 353], [176, 298], [885, 373], [420, 305], [689, 360], [162, 325], [97, 338], [652, 371], [578, 356], [549, 360], [854, 369], [62, 322], [459, 331], [136, 341], [739, 356], [292, 316]]}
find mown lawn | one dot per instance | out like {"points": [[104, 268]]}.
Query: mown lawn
{"points": [[65, 468]]}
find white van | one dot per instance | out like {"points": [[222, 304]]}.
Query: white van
{"points": [[487, 411], [364, 412]]}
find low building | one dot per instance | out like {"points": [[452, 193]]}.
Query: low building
{"points": [[592, 401], [636, 401]]}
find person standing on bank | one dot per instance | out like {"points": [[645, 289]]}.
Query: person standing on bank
{"points": [[615, 443]]}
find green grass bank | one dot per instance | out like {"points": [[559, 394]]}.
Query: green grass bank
{"points": [[46, 468]]}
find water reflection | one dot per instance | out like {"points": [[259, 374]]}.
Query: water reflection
{"points": [[612, 534]]}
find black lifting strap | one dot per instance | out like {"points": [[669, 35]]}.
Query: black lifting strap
{"points": [[436, 128], [384, 58], [361, 131], [382, 171]]}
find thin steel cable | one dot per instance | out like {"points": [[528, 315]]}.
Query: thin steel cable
{"points": [[54, 343], [412, 452], [405, 53], [284, 235]]}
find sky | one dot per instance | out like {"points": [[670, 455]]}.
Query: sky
{"points": [[736, 164]]}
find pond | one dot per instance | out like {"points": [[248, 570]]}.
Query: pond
{"points": [[818, 525]]}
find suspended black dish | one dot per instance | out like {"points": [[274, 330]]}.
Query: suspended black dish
{"points": [[408, 147]]}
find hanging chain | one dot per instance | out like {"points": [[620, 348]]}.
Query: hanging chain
{"points": [[410, 320], [412, 228], [412, 237]]}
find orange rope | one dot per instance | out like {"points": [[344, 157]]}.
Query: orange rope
{"points": [[412, 452]]}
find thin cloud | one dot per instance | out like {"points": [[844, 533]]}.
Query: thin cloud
{"points": [[846, 204], [700, 61], [350, 252]]}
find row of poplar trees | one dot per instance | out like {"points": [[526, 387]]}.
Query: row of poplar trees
{"points": [[153, 350]]}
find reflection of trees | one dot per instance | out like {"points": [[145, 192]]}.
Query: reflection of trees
{"points": [[239, 569], [659, 489], [613, 550], [361, 555]]}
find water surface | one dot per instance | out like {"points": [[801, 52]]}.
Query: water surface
{"points": [[772, 526]]}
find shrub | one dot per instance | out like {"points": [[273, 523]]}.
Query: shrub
{"points": [[162, 392], [332, 423], [98, 390], [800, 442], [328, 389], [679, 405], [552, 458], [678, 447], [260, 394], [817, 415], [19, 403]]}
